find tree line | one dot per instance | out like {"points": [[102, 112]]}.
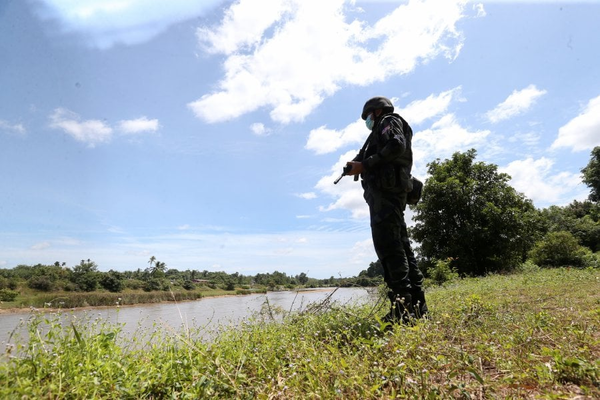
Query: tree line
{"points": [[86, 277]]}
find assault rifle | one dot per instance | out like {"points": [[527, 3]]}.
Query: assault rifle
{"points": [[345, 172]]}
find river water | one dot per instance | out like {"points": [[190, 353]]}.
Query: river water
{"points": [[205, 315]]}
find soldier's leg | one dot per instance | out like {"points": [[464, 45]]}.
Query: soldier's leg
{"points": [[386, 223], [415, 276]]}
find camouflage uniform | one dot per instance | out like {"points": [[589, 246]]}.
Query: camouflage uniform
{"points": [[387, 161]]}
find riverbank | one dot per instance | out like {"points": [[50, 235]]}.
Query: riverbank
{"points": [[121, 299], [531, 335]]}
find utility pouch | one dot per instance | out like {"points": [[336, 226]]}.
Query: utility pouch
{"points": [[414, 195]]}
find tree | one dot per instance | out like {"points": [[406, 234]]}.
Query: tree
{"points": [[302, 278], [85, 275], [591, 175], [470, 214], [112, 281], [578, 218]]}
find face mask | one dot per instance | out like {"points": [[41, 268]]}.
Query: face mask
{"points": [[370, 122]]}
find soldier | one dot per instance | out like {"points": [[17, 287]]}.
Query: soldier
{"points": [[384, 164]]}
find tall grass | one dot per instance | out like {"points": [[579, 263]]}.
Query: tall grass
{"points": [[532, 335]]}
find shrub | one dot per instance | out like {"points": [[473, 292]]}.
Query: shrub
{"points": [[442, 272], [8, 295], [188, 285], [41, 282], [559, 249]]}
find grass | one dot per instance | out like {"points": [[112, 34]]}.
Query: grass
{"points": [[531, 335]]}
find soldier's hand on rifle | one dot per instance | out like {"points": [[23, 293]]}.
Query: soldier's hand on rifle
{"points": [[357, 167]]}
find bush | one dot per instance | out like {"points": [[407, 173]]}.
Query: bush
{"points": [[41, 282], [134, 284], [559, 249], [8, 295], [112, 282], [442, 272], [188, 285]]}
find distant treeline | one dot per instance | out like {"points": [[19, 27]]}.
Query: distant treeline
{"points": [[86, 277]]}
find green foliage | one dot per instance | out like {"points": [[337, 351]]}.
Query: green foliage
{"points": [[530, 335], [468, 212], [591, 175], [441, 272], [8, 295], [559, 249], [85, 276], [581, 219], [43, 283], [112, 281]]}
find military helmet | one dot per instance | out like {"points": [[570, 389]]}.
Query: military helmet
{"points": [[376, 103]]}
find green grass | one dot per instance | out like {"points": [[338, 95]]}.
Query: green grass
{"points": [[531, 335]]}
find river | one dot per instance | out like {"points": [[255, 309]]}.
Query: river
{"points": [[205, 314]]}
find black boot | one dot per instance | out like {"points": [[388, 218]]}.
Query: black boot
{"points": [[419, 303]]}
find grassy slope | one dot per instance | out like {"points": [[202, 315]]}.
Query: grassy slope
{"points": [[532, 335]]}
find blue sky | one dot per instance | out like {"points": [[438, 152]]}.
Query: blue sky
{"points": [[208, 133]]}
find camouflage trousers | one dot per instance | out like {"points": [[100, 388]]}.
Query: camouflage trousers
{"points": [[391, 242]]}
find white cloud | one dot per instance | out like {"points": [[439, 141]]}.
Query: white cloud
{"points": [[420, 110], [323, 140], [91, 132], [307, 196], [517, 103], [104, 23], [347, 194], [12, 128], [582, 132], [134, 126], [330, 48], [445, 137], [41, 246], [537, 180], [259, 129]]}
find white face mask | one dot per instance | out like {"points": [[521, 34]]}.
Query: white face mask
{"points": [[370, 122]]}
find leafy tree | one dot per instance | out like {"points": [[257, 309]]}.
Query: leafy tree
{"points": [[375, 269], [470, 214], [85, 275], [112, 281], [591, 175], [578, 218], [302, 278]]}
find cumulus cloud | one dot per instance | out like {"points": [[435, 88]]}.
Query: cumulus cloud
{"points": [[331, 48], [445, 137], [517, 103], [537, 180], [419, 111], [583, 131], [259, 129], [139, 125], [91, 132], [307, 196], [323, 140], [18, 129], [104, 23], [347, 194]]}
